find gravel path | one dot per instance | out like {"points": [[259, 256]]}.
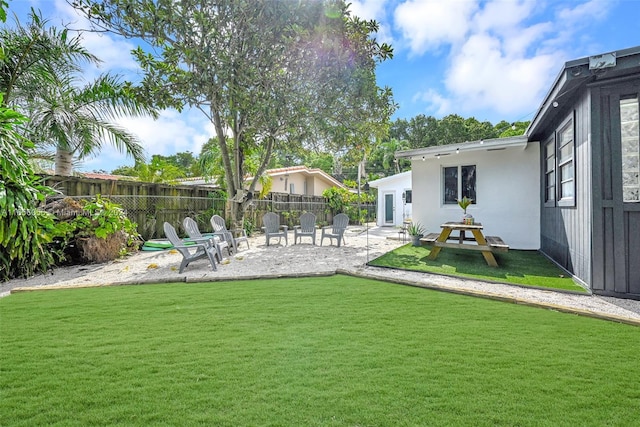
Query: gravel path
{"points": [[363, 245]]}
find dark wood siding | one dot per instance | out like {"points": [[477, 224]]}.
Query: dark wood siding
{"points": [[616, 224], [565, 231]]}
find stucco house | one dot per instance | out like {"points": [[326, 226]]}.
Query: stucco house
{"points": [[291, 180], [394, 199], [569, 187], [500, 175]]}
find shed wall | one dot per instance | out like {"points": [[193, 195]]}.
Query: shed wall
{"points": [[566, 230]]}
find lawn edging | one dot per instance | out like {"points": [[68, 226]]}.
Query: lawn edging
{"points": [[487, 295]]}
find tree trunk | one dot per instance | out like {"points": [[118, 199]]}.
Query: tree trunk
{"points": [[64, 162]]}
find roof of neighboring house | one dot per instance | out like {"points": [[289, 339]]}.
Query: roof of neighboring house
{"points": [[577, 74], [272, 173], [97, 175], [480, 145], [305, 171], [388, 179]]}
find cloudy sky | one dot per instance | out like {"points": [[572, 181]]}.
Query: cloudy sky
{"points": [[492, 60]]}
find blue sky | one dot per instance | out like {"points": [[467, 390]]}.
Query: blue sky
{"points": [[492, 60]]}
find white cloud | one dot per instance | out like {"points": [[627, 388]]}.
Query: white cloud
{"points": [[482, 76], [429, 24], [368, 9], [173, 132]]}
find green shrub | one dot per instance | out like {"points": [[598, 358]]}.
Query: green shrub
{"points": [[24, 230]]}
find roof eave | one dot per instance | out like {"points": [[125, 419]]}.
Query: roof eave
{"points": [[480, 145]]}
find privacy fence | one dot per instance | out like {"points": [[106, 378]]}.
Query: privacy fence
{"points": [[150, 205]]}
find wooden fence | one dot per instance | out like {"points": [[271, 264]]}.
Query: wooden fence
{"points": [[150, 205]]}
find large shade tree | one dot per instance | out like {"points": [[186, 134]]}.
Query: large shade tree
{"points": [[268, 74], [40, 73]]}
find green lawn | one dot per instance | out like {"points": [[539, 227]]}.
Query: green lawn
{"points": [[527, 268], [328, 351]]}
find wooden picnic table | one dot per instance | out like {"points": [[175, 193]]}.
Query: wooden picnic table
{"points": [[487, 245]]}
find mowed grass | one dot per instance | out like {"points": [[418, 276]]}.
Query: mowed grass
{"points": [[329, 351], [525, 268]]}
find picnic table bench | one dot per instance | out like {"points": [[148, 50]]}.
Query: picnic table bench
{"points": [[487, 245]]}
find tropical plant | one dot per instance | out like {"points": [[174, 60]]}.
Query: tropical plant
{"points": [[464, 203], [25, 231], [40, 71], [76, 121], [98, 228], [415, 229]]}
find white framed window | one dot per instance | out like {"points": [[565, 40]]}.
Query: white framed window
{"points": [[458, 182], [566, 170], [550, 172], [565, 179]]}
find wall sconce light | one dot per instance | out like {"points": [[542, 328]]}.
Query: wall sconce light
{"points": [[481, 141], [555, 104], [437, 156], [423, 159], [457, 151]]}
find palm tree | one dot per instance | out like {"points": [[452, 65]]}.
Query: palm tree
{"points": [[40, 74], [78, 120], [32, 54]]}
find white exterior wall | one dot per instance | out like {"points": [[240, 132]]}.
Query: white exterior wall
{"points": [[396, 185], [507, 191]]}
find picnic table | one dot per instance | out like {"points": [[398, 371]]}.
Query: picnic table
{"points": [[487, 245]]}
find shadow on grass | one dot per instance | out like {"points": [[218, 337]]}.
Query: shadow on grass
{"points": [[526, 268]]}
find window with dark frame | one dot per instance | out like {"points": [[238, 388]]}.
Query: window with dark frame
{"points": [[459, 182], [550, 172], [408, 196]]}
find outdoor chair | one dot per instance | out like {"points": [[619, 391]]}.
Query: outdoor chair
{"points": [[307, 227], [335, 231], [191, 227], [190, 252], [232, 237], [272, 227]]}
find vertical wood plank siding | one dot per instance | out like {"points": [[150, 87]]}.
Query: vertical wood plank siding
{"points": [[616, 224], [566, 231]]}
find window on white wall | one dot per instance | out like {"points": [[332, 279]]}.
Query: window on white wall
{"points": [[459, 182]]}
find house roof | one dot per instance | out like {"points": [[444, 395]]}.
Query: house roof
{"points": [[480, 145], [577, 74], [272, 173], [388, 179], [304, 171]]}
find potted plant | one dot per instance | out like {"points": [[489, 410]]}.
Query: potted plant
{"points": [[416, 231], [464, 204]]}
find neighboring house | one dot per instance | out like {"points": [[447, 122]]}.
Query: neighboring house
{"points": [[394, 199], [500, 175], [572, 189], [292, 180], [300, 180]]}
